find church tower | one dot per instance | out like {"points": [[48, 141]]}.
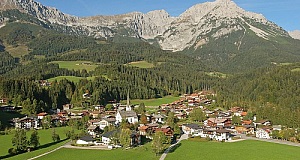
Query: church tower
{"points": [[128, 107]]}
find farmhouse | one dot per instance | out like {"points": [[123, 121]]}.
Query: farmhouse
{"points": [[26, 122]]}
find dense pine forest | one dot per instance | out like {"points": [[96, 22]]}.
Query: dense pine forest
{"points": [[271, 92]]}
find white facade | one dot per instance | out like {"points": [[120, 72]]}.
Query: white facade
{"points": [[263, 134], [130, 119], [106, 140], [103, 124], [79, 141]]}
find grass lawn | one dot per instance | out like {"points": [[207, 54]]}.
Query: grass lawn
{"points": [[143, 152], [70, 78], [248, 149], [153, 102], [141, 64], [45, 141], [76, 65]]}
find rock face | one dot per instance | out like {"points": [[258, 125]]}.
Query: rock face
{"points": [[193, 28], [295, 34]]}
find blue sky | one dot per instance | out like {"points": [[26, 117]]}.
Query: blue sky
{"points": [[285, 13]]}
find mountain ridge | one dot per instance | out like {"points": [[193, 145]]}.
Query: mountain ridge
{"points": [[171, 33]]}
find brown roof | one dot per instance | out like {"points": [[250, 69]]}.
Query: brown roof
{"points": [[42, 114], [243, 113]]}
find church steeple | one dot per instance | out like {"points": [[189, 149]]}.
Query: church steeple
{"points": [[128, 107]]}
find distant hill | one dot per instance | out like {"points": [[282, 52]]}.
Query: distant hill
{"points": [[220, 34]]}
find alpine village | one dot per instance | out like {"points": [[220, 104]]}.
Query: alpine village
{"points": [[216, 82]]}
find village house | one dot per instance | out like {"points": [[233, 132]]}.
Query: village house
{"points": [[218, 122], [192, 129], [263, 133], [222, 135], [166, 130], [42, 115], [95, 114], [110, 120], [85, 140], [158, 118], [217, 134], [143, 130], [108, 136], [93, 130], [245, 129], [26, 122], [67, 107], [262, 123], [95, 122]]}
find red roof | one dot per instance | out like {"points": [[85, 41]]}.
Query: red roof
{"points": [[243, 113], [42, 114]]}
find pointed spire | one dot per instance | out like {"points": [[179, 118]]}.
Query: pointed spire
{"points": [[128, 107]]}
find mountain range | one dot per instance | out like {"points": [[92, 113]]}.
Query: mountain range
{"points": [[219, 33]]}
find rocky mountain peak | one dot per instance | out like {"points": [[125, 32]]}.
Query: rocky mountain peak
{"points": [[36, 9], [295, 34], [195, 27]]}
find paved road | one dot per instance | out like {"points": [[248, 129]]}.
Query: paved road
{"points": [[271, 140], [163, 156]]}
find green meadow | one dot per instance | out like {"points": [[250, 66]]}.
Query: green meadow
{"points": [[76, 65], [154, 102], [46, 142], [70, 78], [142, 152], [248, 149], [141, 64]]}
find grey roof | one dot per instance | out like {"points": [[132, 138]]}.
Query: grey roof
{"points": [[87, 138], [194, 126], [92, 127], [125, 114], [109, 134]]}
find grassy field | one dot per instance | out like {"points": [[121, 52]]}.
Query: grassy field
{"points": [[18, 51], [216, 74], [153, 102], [70, 78], [296, 70], [76, 65], [141, 64], [45, 142], [143, 152], [248, 149]]}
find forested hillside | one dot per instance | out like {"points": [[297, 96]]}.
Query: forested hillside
{"points": [[271, 91]]}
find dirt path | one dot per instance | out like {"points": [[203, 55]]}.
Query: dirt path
{"points": [[68, 145], [183, 137]]}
